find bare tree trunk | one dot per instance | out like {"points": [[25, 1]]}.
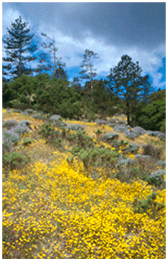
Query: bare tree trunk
{"points": [[128, 113], [54, 64], [20, 65], [91, 89]]}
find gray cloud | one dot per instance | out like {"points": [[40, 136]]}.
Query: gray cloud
{"points": [[136, 24]]}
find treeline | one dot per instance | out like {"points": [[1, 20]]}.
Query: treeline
{"points": [[45, 86]]}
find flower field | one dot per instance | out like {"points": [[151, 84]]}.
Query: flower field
{"points": [[55, 209]]}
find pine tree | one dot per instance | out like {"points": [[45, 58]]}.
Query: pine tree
{"points": [[127, 83], [19, 49], [56, 68], [88, 70]]}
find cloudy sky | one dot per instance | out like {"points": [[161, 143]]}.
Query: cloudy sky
{"points": [[111, 29]]}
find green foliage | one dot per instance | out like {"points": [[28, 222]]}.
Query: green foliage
{"points": [[156, 178], [96, 157], [80, 139], [157, 95], [145, 205], [22, 91], [19, 49], [70, 110], [83, 148], [152, 116], [14, 160], [44, 94], [119, 144], [27, 141], [127, 83], [47, 131]]}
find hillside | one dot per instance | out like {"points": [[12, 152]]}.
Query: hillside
{"points": [[77, 189]]}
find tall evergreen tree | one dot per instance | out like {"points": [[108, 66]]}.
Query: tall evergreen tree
{"points": [[55, 67], [19, 49], [127, 83], [88, 70]]}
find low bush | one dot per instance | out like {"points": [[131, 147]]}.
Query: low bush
{"points": [[25, 123], [80, 139], [76, 127], [96, 157], [48, 132], [9, 124], [27, 141], [21, 130], [10, 136], [156, 178], [148, 205], [6, 145], [14, 160]]}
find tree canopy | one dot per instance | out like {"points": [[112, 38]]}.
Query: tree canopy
{"points": [[127, 83], [19, 48]]}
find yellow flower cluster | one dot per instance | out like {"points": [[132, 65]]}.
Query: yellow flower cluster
{"points": [[56, 211]]}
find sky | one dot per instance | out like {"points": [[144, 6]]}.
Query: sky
{"points": [[110, 29]]}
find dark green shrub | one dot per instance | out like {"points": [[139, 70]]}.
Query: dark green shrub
{"points": [[14, 160], [48, 132], [143, 206], [27, 141], [96, 157], [152, 116], [156, 178], [117, 144], [57, 142], [90, 116], [80, 139]]}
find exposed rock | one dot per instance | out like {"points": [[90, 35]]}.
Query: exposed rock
{"points": [[109, 137], [161, 136], [111, 124], [158, 134], [30, 111], [120, 128], [16, 110], [125, 162], [59, 123], [131, 134], [132, 148], [9, 111], [75, 127], [139, 130], [100, 122], [55, 117], [143, 157], [38, 116]]}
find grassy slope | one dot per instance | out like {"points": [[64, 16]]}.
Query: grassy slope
{"points": [[52, 209]]}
